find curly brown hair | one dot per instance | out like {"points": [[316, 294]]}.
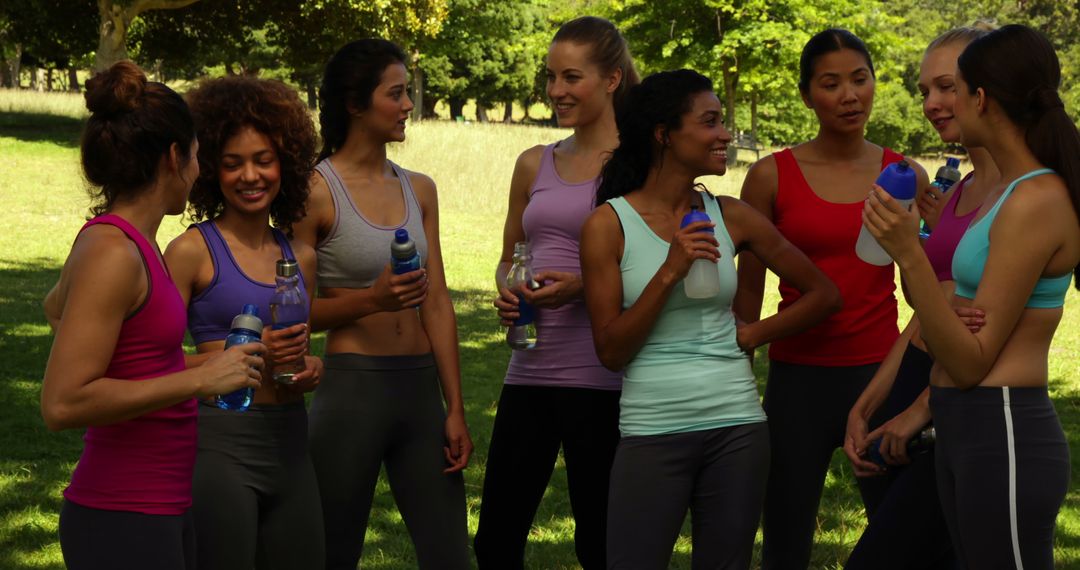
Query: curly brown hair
{"points": [[221, 108]]}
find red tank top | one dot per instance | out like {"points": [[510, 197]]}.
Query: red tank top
{"points": [[145, 464], [864, 330]]}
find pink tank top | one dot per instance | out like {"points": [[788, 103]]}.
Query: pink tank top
{"points": [[142, 465], [564, 353], [946, 235]]}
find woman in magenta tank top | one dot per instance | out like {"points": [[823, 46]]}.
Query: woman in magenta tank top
{"points": [[557, 395], [814, 192], [116, 367], [255, 495], [906, 527]]}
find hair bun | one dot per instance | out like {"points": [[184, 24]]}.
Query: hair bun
{"points": [[116, 90], [1044, 99]]}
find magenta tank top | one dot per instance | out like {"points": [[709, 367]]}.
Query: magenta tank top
{"points": [[145, 464], [564, 354], [946, 235]]}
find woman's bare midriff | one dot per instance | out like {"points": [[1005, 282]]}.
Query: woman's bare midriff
{"points": [[1022, 362], [381, 334]]}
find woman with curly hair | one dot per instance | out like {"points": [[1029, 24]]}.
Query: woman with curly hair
{"points": [[392, 345], [256, 501]]}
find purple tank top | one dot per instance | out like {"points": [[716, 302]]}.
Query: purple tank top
{"points": [[950, 228], [210, 313], [564, 354]]}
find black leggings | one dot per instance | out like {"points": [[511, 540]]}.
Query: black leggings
{"points": [[530, 425], [808, 408], [1003, 472], [96, 539], [256, 502], [371, 410], [906, 527], [718, 474]]}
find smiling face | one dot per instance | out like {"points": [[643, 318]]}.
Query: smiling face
{"points": [[249, 173], [841, 91], [700, 143], [390, 106], [937, 84], [579, 91]]}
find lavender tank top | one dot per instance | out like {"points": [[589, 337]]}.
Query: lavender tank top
{"points": [[564, 355], [950, 228], [210, 313]]}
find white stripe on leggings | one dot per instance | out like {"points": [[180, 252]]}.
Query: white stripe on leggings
{"points": [[1012, 480]]}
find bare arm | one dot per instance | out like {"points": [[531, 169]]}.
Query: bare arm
{"points": [[758, 191], [105, 271], [525, 171]]}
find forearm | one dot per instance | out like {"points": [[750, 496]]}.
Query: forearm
{"points": [[810, 309], [440, 324], [619, 342], [881, 384], [108, 401], [751, 288], [331, 312]]}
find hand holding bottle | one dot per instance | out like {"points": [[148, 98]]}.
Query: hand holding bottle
{"points": [[287, 344], [690, 243], [395, 292], [239, 367], [557, 288]]}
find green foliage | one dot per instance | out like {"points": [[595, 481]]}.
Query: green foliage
{"points": [[52, 33]]}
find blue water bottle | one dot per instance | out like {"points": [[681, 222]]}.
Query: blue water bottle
{"points": [[944, 179], [403, 255], [703, 279], [898, 179], [246, 327]]}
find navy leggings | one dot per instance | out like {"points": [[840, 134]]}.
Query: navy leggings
{"points": [[1003, 472], [96, 539]]}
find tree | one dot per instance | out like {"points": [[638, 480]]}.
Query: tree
{"points": [[45, 34], [116, 16]]}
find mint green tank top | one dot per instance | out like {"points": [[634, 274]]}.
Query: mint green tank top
{"points": [[690, 374]]}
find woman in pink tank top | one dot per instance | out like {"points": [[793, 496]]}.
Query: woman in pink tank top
{"points": [[116, 367], [905, 523], [557, 394]]}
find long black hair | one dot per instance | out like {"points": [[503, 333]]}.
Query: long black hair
{"points": [[350, 78], [661, 99], [1016, 66]]}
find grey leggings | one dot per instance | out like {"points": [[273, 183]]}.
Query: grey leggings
{"points": [[371, 410], [256, 502], [718, 474]]}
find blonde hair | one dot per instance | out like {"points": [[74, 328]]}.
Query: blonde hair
{"points": [[963, 35]]}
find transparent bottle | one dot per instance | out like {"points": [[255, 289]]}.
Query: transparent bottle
{"points": [[246, 328], [703, 279], [522, 334], [288, 307], [945, 178], [898, 179]]}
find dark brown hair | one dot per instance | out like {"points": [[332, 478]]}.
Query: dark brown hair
{"points": [[609, 50], [222, 107], [133, 123], [828, 41]]}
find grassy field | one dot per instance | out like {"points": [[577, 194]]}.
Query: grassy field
{"points": [[42, 195]]}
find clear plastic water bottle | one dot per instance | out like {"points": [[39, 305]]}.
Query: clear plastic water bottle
{"points": [[944, 179], [922, 441], [898, 179], [288, 307], [403, 255], [522, 334], [703, 280], [246, 327]]}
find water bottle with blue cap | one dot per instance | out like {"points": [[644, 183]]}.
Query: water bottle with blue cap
{"points": [[898, 179], [246, 328], [703, 279]]}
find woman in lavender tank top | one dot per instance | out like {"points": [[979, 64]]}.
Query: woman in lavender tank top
{"points": [[117, 367], [255, 495], [557, 394]]}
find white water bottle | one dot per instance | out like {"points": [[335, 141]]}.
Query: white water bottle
{"points": [[898, 179], [703, 279]]}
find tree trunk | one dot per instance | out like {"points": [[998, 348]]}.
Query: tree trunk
{"points": [[5, 76], [508, 112], [525, 109], [115, 19], [429, 108], [753, 115], [229, 70], [457, 108], [37, 83], [481, 113], [312, 95], [48, 79], [73, 79], [418, 88], [13, 66], [731, 81]]}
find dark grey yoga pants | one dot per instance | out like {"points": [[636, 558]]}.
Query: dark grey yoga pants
{"points": [[718, 474], [256, 502], [96, 539], [375, 410]]}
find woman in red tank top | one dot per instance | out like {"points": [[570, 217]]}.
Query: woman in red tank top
{"points": [[116, 367], [814, 193]]}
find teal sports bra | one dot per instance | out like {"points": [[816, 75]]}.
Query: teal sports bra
{"points": [[969, 259]]}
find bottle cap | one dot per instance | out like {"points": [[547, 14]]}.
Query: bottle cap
{"points": [[401, 235], [248, 319], [402, 247], [287, 267], [898, 179], [521, 248], [696, 215], [952, 162]]}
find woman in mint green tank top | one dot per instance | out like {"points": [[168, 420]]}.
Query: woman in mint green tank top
{"points": [[1002, 457], [694, 435]]}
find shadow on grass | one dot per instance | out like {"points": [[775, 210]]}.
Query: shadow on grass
{"points": [[40, 127]]}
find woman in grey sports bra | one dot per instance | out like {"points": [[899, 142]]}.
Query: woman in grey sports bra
{"points": [[392, 346]]}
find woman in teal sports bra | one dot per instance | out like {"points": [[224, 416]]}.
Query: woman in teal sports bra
{"points": [[1002, 457]]}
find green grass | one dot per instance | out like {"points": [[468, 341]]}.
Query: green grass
{"points": [[43, 198]]}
